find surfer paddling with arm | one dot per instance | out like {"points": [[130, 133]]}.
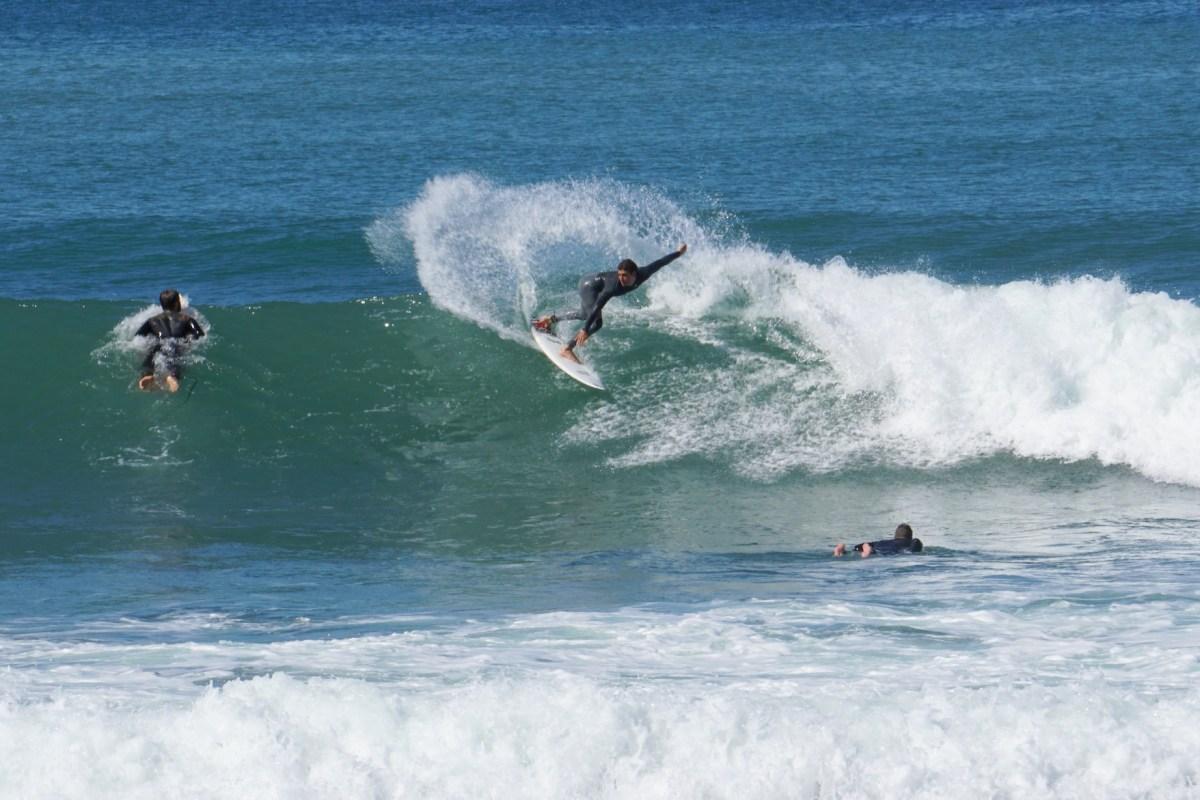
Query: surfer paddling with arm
{"points": [[171, 329], [902, 542], [596, 291]]}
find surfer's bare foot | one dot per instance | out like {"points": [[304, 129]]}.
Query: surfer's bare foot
{"points": [[146, 383], [172, 383], [839, 551], [568, 353], [867, 549]]}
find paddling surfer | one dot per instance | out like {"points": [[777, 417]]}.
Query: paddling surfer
{"points": [[172, 330], [901, 542], [595, 291]]}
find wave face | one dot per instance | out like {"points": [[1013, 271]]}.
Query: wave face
{"points": [[773, 365]]}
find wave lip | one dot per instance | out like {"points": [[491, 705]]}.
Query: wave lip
{"points": [[483, 251]]}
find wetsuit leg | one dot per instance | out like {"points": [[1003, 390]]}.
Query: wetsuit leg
{"points": [[166, 355], [588, 292], [173, 358], [148, 362]]}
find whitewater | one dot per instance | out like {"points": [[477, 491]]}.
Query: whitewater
{"points": [[781, 698], [796, 366]]}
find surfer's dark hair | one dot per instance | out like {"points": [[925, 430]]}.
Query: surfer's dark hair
{"points": [[169, 300], [628, 265], [904, 531]]}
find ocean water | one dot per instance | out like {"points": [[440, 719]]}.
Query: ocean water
{"points": [[943, 268]]}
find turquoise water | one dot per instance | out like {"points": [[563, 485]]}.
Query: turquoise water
{"points": [[942, 269]]}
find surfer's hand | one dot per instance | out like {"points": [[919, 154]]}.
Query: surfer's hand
{"points": [[580, 338], [682, 249]]}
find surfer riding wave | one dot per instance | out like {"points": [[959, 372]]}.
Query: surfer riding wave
{"points": [[595, 291]]}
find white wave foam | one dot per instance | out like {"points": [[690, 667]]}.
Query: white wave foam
{"points": [[1074, 369], [566, 736], [489, 253], [815, 367], [765, 700]]}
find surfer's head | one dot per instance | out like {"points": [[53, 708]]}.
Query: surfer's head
{"points": [[627, 272], [903, 531], [170, 301]]}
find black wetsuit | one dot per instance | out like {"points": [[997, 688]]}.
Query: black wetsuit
{"points": [[597, 290], [170, 329], [890, 547]]}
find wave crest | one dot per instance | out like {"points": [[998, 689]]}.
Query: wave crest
{"points": [[773, 364]]}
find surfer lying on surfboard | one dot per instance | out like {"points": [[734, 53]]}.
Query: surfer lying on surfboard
{"points": [[902, 542], [597, 290], [171, 330]]}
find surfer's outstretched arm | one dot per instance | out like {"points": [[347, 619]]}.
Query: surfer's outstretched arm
{"points": [[645, 272]]}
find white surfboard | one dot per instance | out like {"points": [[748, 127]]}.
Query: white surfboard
{"points": [[551, 344]]}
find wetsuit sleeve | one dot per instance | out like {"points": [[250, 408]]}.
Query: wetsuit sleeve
{"points": [[590, 324], [147, 329], [194, 329], [645, 272], [886, 547]]}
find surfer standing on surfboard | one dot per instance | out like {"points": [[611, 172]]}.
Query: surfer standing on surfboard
{"points": [[597, 290]]}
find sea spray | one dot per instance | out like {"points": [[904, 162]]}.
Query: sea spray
{"points": [[818, 367], [499, 255]]}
